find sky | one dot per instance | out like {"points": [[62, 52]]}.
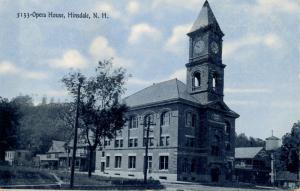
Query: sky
{"points": [[261, 49]]}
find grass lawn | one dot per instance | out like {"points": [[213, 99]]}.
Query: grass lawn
{"points": [[83, 179], [24, 176]]}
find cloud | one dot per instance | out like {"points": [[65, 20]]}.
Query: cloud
{"points": [[270, 40], [242, 103], [299, 76], [176, 43], [70, 59], [179, 74], [138, 81], [100, 49], [247, 90], [34, 75], [143, 31], [286, 104], [270, 6], [187, 4], [133, 7], [8, 68], [108, 8]]}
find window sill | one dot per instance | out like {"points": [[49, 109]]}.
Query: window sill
{"points": [[163, 170]]}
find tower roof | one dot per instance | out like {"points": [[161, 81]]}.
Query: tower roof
{"points": [[205, 18]]}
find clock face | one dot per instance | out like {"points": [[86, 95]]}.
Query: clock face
{"points": [[199, 47], [214, 47]]}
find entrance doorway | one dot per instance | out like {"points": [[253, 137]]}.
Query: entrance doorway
{"points": [[215, 174], [102, 166]]}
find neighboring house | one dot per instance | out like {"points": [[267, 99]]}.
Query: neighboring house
{"points": [[52, 158], [82, 155], [59, 156], [18, 157], [252, 165], [192, 129]]}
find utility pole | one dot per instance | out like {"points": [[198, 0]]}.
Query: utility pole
{"points": [[147, 124], [75, 134]]}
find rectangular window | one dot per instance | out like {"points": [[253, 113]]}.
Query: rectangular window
{"points": [[193, 120], [117, 143], [118, 161], [185, 165], [56, 155], [107, 161], [162, 141], [135, 142], [48, 156], [107, 143], [188, 119], [130, 144], [163, 162], [131, 162], [167, 140], [150, 141], [190, 142], [121, 142], [77, 163], [149, 163]]}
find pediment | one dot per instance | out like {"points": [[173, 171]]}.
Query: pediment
{"points": [[222, 107]]}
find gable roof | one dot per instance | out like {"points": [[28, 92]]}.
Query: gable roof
{"points": [[247, 152], [167, 90], [57, 147], [205, 18]]}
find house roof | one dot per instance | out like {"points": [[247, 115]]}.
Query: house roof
{"points": [[205, 18], [247, 152], [167, 90], [272, 138], [57, 147]]}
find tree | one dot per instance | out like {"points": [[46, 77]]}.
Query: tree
{"points": [[9, 124], [243, 141], [101, 114], [289, 155]]}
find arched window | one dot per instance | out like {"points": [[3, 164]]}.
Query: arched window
{"points": [[215, 81], [133, 123], [196, 79], [190, 119], [150, 118], [165, 118]]}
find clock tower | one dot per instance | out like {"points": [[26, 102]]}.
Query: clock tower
{"points": [[205, 71]]}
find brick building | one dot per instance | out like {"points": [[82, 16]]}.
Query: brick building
{"points": [[192, 133]]}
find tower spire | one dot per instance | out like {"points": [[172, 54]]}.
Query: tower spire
{"points": [[205, 19]]}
